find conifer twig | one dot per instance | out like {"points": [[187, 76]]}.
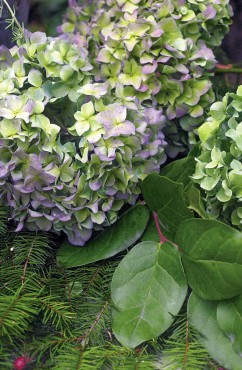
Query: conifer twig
{"points": [[27, 262], [96, 321], [12, 13]]}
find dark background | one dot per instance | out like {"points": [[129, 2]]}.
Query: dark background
{"points": [[232, 43]]}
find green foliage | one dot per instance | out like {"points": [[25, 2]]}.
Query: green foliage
{"points": [[16, 312], [202, 315], [47, 14], [179, 170], [148, 290], [145, 281], [229, 321], [181, 348], [61, 318], [56, 316], [212, 258], [118, 237], [76, 141], [167, 199]]}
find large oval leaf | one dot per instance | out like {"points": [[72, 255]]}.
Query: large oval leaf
{"points": [[148, 290], [180, 170], [229, 317], [212, 258], [167, 199], [121, 235], [202, 316]]}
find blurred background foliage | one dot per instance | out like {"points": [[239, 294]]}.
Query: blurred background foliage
{"points": [[46, 15]]}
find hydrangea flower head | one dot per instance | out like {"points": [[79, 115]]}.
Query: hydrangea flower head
{"points": [[71, 153], [159, 51]]}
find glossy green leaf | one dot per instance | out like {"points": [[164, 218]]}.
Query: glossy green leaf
{"points": [[212, 258], [194, 201], [202, 316], [180, 170], [148, 290], [151, 233], [125, 232], [229, 318], [167, 199]]}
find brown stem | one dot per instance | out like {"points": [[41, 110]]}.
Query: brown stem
{"points": [[157, 224], [227, 68], [96, 320], [27, 262]]}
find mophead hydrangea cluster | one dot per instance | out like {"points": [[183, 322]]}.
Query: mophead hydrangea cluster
{"points": [[219, 166], [158, 51], [71, 153]]}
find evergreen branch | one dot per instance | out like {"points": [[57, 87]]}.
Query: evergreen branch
{"points": [[108, 357], [16, 312], [93, 278], [97, 319], [57, 312], [31, 249], [18, 29], [4, 214], [10, 279], [181, 350]]}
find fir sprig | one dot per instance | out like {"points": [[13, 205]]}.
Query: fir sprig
{"points": [[181, 348], [12, 22], [16, 313]]}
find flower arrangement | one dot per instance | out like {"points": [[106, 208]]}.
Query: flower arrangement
{"points": [[219, 166], [158, 51], [71, 154]]}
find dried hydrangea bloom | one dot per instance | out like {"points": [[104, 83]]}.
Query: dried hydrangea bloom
{"points": [[219, 166], [160, 52], [71, 154]]}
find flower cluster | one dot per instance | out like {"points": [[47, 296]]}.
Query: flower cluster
{"points": [[219, 166], [71, 154], [157, 51]]}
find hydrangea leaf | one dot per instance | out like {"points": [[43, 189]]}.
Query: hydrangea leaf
{"points": [[151, 233], [180, 170], [212, 258], [195, 201], [229, 318], [203, 317], [167, 199], [125, 232], [148, 289]]}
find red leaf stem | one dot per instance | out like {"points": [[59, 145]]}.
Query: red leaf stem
{"points": [[157, 224]]}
